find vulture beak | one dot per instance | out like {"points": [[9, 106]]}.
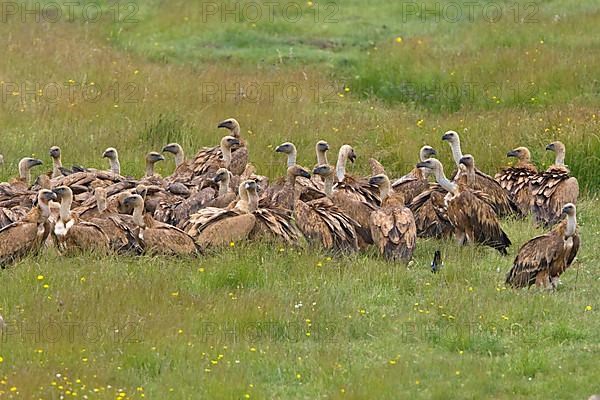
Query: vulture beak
{"points": [[305, 174], [279, 149], [352, 157], [35, 162], [105, 154], [224, 124], [550, 147], [433, 152], [374, 180], [49, 195], [159, 157], [447, 136], [235, 142], [512, 153], [422, 164]]}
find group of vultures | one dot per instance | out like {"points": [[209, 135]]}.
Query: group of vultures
{"points": [[217, 198]]}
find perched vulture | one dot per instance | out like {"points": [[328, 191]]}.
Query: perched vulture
{"points": [[72, 233], [415, 182], [553, 188], [392, 225], [157, 237], [23, 182], [236, 160], [355, 188], [473, 219], [431, 215], [544, 258], [113, 160], [351, 201], [516, 180], [28, 235], [498, 197]]}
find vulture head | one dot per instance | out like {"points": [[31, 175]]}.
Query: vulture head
{"points": [[111, 154], [467, 163], [173, 148], [426, 152], [27, 163], [227, 142], [286, 148], [222, 175], [154, 157], [63, 192], [520, 153], [431, 163], [348, 153], [555, 146], [25, 166], [232, 125], [45, 196], [55, 152], [322, 146], [323, 170], [560, 150], [296, 170], [379, 180], [451, 137], [569, 209], [134, 201]]}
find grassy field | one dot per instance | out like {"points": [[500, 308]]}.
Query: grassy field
{"points": [[260, 321]]}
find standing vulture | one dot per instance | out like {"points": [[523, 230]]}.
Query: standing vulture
{"points": [[113, 160], [498, 197], [544, 258], [29, 234], [157, 237], [415, 182], [553, 188], [355, 188], [23, 182], [208, 156], [72, 233], [516, 180], [351, 201], [393, 225], [473, 219], [306, 184]]}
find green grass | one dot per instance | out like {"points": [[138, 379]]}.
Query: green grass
{"points": [[376, 329]]}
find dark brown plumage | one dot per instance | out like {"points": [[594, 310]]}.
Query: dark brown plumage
{"points": [[28, 235], [544, 258], [553, 188], [392, 225], [73, 234], [431, 215], [415, 182], [497, 197], [473, 219], [516, 180], [156, 237]]}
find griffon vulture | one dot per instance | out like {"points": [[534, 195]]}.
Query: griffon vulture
{"points": [[392, 225], [473, 219], [29, 234], [516, 180], [553, 188], [157, 237], [498, 197], [544, 258]]}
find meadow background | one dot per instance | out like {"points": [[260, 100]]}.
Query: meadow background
{"points": [[260, 321]]}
